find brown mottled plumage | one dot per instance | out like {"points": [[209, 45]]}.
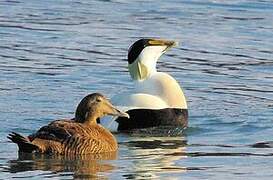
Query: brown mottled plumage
{"points": [[79, 136]]}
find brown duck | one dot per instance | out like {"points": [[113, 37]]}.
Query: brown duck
{"points": [[82, 135]]}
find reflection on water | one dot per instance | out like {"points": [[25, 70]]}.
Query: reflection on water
{"points": [[146, 158], [80, 166], [154, 156], [159, 131]]}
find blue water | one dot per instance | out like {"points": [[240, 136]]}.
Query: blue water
{"points": [[53, 53]]}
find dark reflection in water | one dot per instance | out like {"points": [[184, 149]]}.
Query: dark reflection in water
{"points": [[159, 131], [158, 144], [268, 144], [80, 166]]}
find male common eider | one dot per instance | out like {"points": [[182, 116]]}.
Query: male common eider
{"points": [[157, 99], [79, 136]]}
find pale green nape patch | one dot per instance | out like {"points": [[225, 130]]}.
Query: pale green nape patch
{"points": [[138, 71]]}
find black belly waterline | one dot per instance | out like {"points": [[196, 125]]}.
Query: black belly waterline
{"points": [[145, 118]]}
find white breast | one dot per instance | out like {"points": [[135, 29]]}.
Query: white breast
{"points": [[164, 87]]}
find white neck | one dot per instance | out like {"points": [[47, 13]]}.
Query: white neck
{"points": [[145, 65]]}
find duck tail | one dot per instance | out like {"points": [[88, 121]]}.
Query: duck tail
{"points": [[23, 143]]}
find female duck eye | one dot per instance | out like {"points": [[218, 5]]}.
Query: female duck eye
{"points": [[98, 99]]}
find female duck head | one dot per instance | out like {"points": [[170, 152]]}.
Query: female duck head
{"points": [[143, 55], [94, 106]]}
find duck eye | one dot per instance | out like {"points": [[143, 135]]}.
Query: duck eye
{"points": [[98, 99]]}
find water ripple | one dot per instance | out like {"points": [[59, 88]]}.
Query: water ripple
{"points": [[27, 28]]}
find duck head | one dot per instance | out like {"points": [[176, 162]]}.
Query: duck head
{"points": [[94, 106], [143, 55]]}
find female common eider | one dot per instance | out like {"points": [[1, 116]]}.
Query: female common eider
{"points": [[79, 136], [157, 99]]}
